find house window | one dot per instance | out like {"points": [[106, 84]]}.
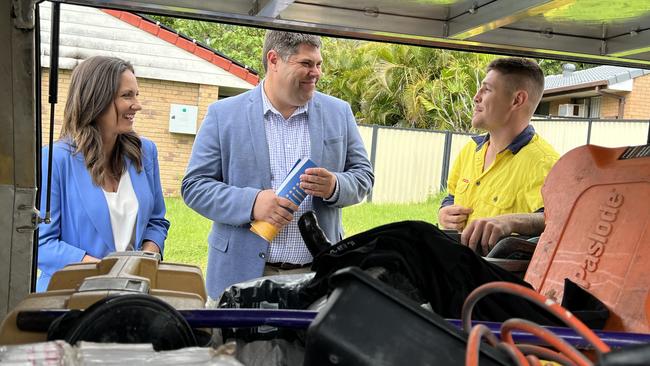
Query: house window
{"points": [[594, 107], [543, 109]]}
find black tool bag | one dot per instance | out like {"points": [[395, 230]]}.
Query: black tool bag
{"points": [[421, 262], [425, 264]]}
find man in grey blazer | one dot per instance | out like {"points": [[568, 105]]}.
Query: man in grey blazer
{"points": [[248, 143]]}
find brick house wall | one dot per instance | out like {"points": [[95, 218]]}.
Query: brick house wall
{"points": [[608, 107], [151, 122], [637, 103]]}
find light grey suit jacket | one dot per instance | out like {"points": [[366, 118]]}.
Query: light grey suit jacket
{"points": [[230, 165]]}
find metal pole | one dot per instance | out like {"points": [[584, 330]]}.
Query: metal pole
{"points": [[53, 93], [40, 320], [39, 134], [373, 154], [446, 156]]}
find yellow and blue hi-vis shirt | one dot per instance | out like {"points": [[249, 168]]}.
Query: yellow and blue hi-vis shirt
{"points": [[512, 184]]}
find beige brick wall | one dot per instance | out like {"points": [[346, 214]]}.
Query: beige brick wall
{"points": [[64, 85], [637, 103], [151, 122], [608, 107]]}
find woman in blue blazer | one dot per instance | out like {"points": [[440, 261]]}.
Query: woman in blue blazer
{"points": [[106, 193]]}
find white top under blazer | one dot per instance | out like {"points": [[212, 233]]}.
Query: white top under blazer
{"points": [[123, 210]]}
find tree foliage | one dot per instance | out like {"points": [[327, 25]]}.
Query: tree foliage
{"points": [[406, 86], [554, 67], [243, 44], [385, 84]]}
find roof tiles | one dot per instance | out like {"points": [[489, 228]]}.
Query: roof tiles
{"points": [[190, 46], [606, 74]]}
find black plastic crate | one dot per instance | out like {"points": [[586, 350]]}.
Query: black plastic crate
{"points": [[367, 323]]}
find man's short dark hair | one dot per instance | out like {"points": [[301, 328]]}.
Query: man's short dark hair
{"points": [[522, 73], [286, 44]]}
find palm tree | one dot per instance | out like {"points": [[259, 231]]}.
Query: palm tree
{"points": [[405, 86]]}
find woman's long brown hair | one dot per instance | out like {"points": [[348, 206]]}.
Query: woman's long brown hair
{"points": [[93, 88]]}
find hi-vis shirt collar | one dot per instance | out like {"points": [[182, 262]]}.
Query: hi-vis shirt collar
{"points": [[517, 143]]}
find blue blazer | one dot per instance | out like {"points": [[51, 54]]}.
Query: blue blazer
{"points": [[80, 220], [230, 164]]}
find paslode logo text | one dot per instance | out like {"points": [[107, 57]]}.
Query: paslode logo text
{"points": [[597, 238]]}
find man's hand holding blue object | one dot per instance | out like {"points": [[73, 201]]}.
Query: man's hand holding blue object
{"points": [[318, 182], [277, 211]]}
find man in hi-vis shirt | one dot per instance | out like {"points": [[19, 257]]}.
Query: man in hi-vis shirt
{"points": [[501, 172]]}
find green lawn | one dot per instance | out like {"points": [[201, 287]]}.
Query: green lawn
{"points": [[187, 239], [365, 216]]}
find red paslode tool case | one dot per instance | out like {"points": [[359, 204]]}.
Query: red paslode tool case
{"points": [[597, 208]]}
